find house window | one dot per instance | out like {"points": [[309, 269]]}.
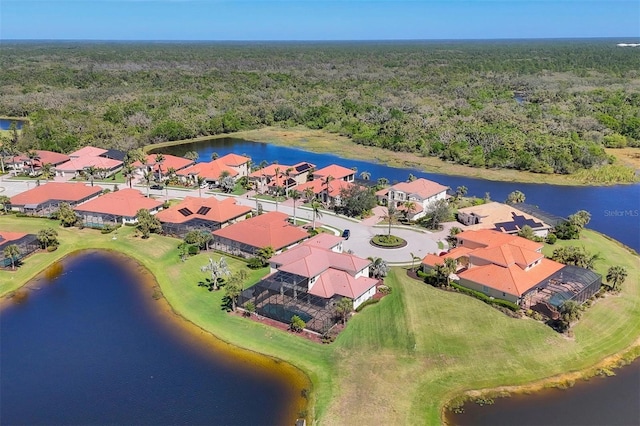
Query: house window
{"points": [[485, 288], [504, 294]]}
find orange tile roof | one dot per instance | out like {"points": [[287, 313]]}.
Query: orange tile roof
{"points": [[316, 185], [492, 238], [433, 260], [335, 171], [324, 240], [170, 161], [125, 202], [513, 279], [269, 229], [336, 187], [218, 211], [269, 171], [46, 157], [88, 151], [234, 160], [211, 170], [333, 281], [70, 192], [507, 255], [80, 163], [421, 187], [6, 236]]}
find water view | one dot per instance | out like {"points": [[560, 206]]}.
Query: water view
{"points": [[87, 344], [615, 210], [5, 124]]}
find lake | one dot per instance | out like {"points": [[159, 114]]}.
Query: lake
{"points": [[5, 123], [615, 210], [85, 343], [600, 401]]}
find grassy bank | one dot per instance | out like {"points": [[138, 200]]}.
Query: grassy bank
{"points": [[399, 361], [324, 142]]}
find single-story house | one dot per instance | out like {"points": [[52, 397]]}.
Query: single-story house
{"points": [[501, 217], [421, 192], [45, 199], [207, 214], [162, 168], [266, 230], [88, 151], [27, 244], [114, 208], [509, 267], [308, 280], [23, 164], [77, 166]]}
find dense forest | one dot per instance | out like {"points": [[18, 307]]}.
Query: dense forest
{"points": [[542, 106]]}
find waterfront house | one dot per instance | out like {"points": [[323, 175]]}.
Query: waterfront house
{"points": [[336, 172], [512, 268], [421, 192], [201, 214], [273, 176], [115, 208], [27, 244], [308, 280], [501, 217], [161, 169], [267, 230], [45, 199]]}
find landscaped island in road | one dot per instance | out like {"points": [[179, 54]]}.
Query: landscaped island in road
{"points": [[397, 361]]}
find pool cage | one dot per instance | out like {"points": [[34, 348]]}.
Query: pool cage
{"points": [[282, 295], [569, 283]]}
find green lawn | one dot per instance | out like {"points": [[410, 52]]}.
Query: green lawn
{"points": [[398, 361]]}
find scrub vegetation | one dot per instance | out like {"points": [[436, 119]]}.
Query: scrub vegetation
{"points": [[397, 362], [547, 108]]}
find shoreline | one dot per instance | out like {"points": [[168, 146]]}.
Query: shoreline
{"points": [[328, 143], [183, 329]]}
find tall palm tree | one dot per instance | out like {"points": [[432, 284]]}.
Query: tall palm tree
{"points": [[214, 156], [33, 156], [47, 171], [326, 182], [461, 191], [295, 195], [159, 160], [6, 202], [378, 268], [365, 175], [192, 155], [199, 181], [410, 207], [147, 177], [47, 236], [127, 173], [391, 216], [12, 252], [616, 275], [317, 213], [308, 194], [91, 172]]}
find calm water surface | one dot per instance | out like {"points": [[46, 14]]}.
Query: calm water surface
{"points": [[615, 210], [600, 401], [5, 124], [88, 346]]}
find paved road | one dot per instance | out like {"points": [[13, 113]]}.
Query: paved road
{"points": [[419, 242]]}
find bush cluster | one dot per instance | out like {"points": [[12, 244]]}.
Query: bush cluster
{"points": [[486, 299]]}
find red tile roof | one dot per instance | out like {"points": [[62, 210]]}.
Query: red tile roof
{"points": [[423, 188], [336, 187], [216, 211], [433, 260], [80, 163], [70, 192], [170, 161], [125, 202], [234, 160], [6, 236], [335, 171], [269, 229], [333, 281], [492, 238], [88, 151], [324, 240], [46, 157], [316, 185], [269, 171], [211, 170]]}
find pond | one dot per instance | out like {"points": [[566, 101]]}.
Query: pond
{"points": [[5, 123], [85, 343], [600, 401], [615, 210]]}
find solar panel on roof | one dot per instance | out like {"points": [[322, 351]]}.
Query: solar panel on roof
{"points": [[185, 212], [303, 167], [203, 210]]}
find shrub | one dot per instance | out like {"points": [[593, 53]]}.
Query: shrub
{"points": [[193, 250], [367, 303], [255, 263], [249, 308], [52, 248], [384, 289], [551, 239], [421, 274], [297, 324], [486, 299], [107, 229]]}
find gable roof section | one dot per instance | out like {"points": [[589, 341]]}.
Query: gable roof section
{"points": [[316, 185], [492, 238], [88, 151], [335, 171], [336, 186], [269, 229], [69, 192], [210, 209], [269, 171], [125, 202], [423, 188], [456, 253], [45, 157], [234, 160], [324, 240], [81, 163]]}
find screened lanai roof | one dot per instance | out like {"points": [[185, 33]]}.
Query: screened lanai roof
{"points": [[567, 283], [550, 218]]}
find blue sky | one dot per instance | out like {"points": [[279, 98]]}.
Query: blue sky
{"points": [[317, 19]]}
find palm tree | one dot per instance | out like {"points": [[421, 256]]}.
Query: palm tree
{"points": [[12, 252], [199, 181], [343, 308], [378, 267], [147, 176], [365, 175], [6, 202], [515, 197], [91, 173], [451, 266], [382, 181], [391, 216], [410, 207], [47, 171], [127, 173], [159, 160], [411, 177], [308, 194], [192, 155], [413, 261], [326, 182], [214, 156], [461, 191], [47, 237], [616, 275], [317, 213], [33, 156], [295, 195]]}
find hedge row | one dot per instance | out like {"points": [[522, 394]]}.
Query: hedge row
{"points": [[486, 299]]}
